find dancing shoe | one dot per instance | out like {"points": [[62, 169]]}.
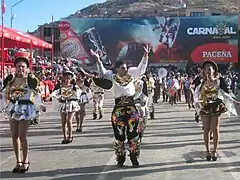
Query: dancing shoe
{"points": [[196, 118], [134, 160], [152, 115], [94, 116], [214, 156], [208, 156], [65, 141], [24, 170], [121, 160], [70, 140], [100, 116], [79, 130], [17, 167]]}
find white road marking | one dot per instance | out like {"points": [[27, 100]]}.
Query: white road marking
{"points": [[106, 171], [104, 174]]}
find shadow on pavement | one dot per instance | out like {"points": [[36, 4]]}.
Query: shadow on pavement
{"points": [[233, 170], [65, 147], [117, 174], [191, 157], [172, 145]]}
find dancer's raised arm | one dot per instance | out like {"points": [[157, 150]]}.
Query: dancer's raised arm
{"points": [[102, 70], [137, 72]]}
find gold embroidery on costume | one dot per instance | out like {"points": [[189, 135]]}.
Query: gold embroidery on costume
{"points": [[211, 104], [123, 81], [17, 92], [66, 93], [208, 94]]}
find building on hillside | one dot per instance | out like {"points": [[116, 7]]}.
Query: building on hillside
{"points": [[45, 32]]}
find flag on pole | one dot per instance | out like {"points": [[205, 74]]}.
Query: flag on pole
{"points": [[2, 39], [52, 52], [3, 7]]}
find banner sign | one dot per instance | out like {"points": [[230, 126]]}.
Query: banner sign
{"points": [[171, 39]]}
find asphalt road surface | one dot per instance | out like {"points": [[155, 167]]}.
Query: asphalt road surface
{"points": [[172, 149]]}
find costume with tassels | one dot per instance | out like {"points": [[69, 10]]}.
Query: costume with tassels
{"points": [[125, 116]]}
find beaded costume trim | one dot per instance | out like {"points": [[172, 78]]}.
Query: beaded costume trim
{"points": [[123, 81]]}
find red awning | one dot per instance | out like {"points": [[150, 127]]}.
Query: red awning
{"points": [[14, 38]]}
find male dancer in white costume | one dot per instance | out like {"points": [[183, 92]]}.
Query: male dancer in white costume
{"points": [[125, 118]]}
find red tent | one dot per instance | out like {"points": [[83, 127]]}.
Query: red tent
{"points": [[14, 38]]}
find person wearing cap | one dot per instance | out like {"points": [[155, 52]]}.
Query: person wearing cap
{"points": [[65, 99], [211, 98], [124, 117], [22, 98], [196, 81]]}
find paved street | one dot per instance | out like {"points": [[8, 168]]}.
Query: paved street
{"points": [[172, 149]]}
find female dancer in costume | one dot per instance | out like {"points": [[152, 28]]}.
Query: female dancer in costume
{"points": [[125, 115], [83, 84], [195, 83], [211, 99], [20, 93], [65, 99]]}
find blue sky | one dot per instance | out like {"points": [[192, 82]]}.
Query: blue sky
{"points": [[31, 13]]}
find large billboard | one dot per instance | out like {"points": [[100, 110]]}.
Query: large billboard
{"points": [[171, 39]]}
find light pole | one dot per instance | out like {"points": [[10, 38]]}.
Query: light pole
{"points": [[12, 16]]}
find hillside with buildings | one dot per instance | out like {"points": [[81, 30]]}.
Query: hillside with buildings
{"points": [[142, 8], [126, 8]]}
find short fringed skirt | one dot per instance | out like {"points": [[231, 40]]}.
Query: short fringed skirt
{"points": [[70, 106], [214, 109], [20, 112]]}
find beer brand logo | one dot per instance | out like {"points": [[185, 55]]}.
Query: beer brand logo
{"points": [[222, 52], [70, 49], [64, 25], [220, 29], [217, 54]]}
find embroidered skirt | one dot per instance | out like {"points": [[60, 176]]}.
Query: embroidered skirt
{"points": [[18, 112], [214, 109], [69, 106]]}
